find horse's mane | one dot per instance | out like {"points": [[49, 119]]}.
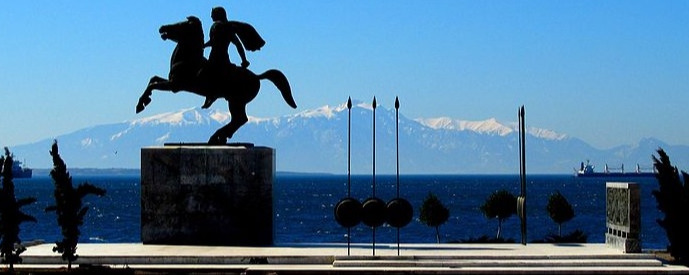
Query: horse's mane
{"points": [[198, 30], [194, 19]]}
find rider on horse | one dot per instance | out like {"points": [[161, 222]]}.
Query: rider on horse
{"points": [[189, 71], [222, 33]]}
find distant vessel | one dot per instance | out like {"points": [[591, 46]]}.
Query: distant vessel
{"points": [[586, 170], [20, 171]]}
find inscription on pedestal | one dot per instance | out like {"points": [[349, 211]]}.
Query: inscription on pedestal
{"points": [[207, 195], [623, 216]]}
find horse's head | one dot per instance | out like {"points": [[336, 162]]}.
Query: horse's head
{"points": [[189, 30]]}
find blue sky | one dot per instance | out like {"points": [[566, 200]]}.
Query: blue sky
{"points": [[608, 72]]}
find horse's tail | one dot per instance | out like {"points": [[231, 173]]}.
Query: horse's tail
{"points": [[280, 81]]}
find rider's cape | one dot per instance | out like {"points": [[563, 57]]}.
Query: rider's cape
{"points": [[250, 38]]}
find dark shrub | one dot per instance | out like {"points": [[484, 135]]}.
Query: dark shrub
{"points": [[433, 213], [68, 206], [559, 210], [673, 200], [501, 205], [11, 215]]}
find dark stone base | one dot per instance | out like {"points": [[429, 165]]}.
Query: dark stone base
{"points": [[207, 195]]}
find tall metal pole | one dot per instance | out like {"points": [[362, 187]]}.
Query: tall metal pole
{"points": [[349, 165], [349, 147], [374, 167], [374, 146], [397, 141], [397, 149], [523, 150]]}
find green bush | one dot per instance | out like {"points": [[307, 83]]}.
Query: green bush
{"points": [[560, 210], [501, 205], [433, 213]]}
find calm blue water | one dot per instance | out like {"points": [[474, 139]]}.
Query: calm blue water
{"points": [[304, 208]]}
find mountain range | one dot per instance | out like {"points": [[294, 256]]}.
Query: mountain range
{"points": [[316, 141]]}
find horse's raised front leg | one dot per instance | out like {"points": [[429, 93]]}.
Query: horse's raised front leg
{"points": [[156, 79], [239, 118], [156, 83]]}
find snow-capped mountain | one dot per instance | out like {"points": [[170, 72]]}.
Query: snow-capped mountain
{"points": [[316, 141], [490, 127]]}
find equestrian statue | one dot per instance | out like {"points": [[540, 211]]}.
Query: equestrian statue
{"points": [[215, 77]]}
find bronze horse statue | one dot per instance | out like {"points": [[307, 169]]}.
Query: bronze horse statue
{"points": [[238, 86]]}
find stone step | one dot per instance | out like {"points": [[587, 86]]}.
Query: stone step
{"points": [[183, 260], [631, 256], [331, 259], [548, 270], [500, 263], [330, 270]]}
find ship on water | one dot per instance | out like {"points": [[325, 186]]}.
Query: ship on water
{"points": [[19, 171], [587, 170]]}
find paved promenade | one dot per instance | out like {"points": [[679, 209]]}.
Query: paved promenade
{"points": [[333, 259]]}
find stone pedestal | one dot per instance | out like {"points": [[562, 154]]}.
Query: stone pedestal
{"points": [[207, 195], [623, 216]]}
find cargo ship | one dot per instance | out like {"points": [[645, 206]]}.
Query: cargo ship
{"points": [[587, 170], [19, 171]]}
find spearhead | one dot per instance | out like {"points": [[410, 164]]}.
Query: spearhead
{"points": [[374, 102], [349, 103], [397, 103]]}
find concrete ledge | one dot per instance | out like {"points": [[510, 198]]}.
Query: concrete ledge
{"points": [[333, 259], [500, 263]]}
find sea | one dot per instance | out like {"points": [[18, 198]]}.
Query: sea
{"points": [[304, 208]]}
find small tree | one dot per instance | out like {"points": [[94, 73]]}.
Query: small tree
{"points": [[433, 213], [68, 206], [559, 210], [501, 205], [673, 200], [10, 214]]}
